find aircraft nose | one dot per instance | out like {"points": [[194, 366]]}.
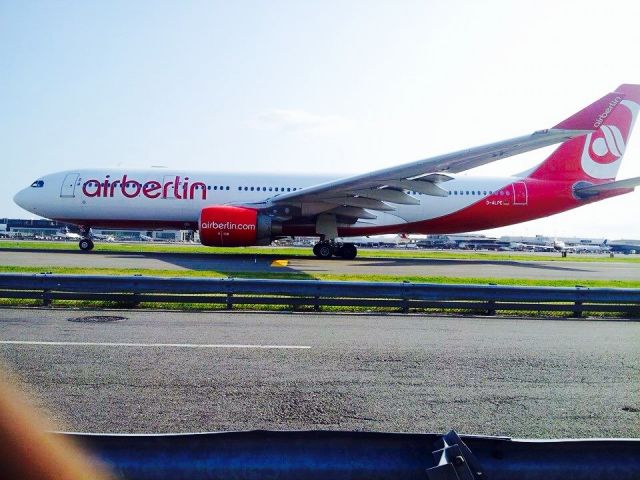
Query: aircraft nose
{"points": [[20, 199]]}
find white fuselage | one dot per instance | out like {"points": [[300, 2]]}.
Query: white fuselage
{"points": [[159, 197]]}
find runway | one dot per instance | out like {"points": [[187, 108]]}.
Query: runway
{"points": [[182, 372], [508, 268]]}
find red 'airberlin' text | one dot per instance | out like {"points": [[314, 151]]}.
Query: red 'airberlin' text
{"points": [[603, 116], [176, 187], [226, 226]]}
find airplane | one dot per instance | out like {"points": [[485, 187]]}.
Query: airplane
{"points": [[67, 235], [592, 248], [106, 238], [421, 197], [625, 246]]}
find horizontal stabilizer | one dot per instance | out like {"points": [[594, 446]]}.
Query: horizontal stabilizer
{"points": [[606, 187]]}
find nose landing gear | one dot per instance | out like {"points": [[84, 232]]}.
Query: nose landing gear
{"points": [[327, 249], [85, 243]]}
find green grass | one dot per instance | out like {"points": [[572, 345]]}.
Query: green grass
{"points": [[323, 276], [199, 307], [306, 252]]}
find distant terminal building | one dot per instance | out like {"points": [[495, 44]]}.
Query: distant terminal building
{"points": [[544, 240], [41, 228], [535, 243], [31, 228]]}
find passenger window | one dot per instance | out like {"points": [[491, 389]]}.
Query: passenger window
{"points": [[288, 189], [227, 187], [270, 188]]}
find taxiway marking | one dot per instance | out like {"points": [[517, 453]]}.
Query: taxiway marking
{"points": [[173, 345], [280, 263]]}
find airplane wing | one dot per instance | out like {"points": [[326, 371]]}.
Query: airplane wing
{"points": [[354, 196]]}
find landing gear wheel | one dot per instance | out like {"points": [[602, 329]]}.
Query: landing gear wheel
{"points": [[86, 244], [323, 250], [348, 251]]}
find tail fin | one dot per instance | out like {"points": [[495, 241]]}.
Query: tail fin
{"points": [[595, 157]]}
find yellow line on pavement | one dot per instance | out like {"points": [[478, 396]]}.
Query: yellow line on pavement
{"points": [[280, 263]]}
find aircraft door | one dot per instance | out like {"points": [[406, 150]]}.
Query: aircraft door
{"points": [[520, 196], [69, 185]]}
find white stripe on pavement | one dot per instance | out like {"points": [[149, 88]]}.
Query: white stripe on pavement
{"points": [[175, 345]]}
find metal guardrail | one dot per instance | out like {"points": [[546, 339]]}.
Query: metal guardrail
{"points": [[404, 296], [322, 455]]}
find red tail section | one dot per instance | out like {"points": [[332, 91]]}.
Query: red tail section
{"points": [[595, 157]]}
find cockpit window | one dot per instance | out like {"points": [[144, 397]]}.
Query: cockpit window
{"points": [[37, 184]]}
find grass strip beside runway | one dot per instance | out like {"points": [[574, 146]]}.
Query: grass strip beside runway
{"points": [[306, 252], [310, 276]]}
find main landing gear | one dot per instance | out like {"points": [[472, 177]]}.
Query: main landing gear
{"points": [[327, 249], [85, 243]]}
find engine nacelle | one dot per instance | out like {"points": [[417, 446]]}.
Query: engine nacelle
{"points": [[227, 226]]}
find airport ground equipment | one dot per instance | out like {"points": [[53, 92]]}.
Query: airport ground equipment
{"points": [[337, 455], [246, 293]]}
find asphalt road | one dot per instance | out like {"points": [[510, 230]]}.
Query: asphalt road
{"points": [[264, 263], [181, 372]]}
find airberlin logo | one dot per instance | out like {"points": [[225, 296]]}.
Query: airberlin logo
{"points": [[602, 152], [213, 225], [603, 116], [175, 187]]}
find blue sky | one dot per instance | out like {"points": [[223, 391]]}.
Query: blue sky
{"points": [[323, 87]]}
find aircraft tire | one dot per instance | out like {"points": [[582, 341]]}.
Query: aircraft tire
{"points": [[86, 244], [323, 250], [348, 251]]}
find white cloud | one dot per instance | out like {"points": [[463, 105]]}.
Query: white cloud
{"points": [[294, 120]]}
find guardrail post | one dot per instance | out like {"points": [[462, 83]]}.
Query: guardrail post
{"points": [[405, 305], [491, 304], [136, 299], [229, 301], [577, 312], [46, 297], [405, 295], [577, 309]]}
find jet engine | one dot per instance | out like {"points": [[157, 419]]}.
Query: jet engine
{"points": [[228, 226]]}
